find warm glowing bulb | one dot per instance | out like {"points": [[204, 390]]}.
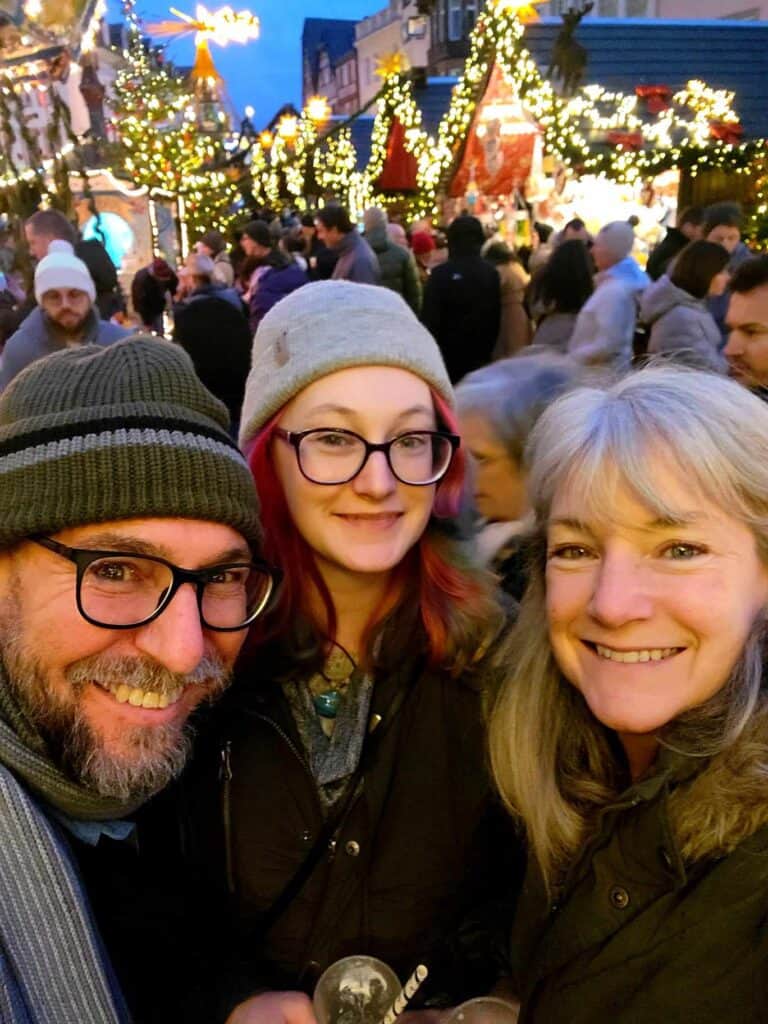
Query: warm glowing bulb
{"points": [[318, 109]]}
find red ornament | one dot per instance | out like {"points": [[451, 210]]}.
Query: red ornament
{"points": [[729, 132], [656, 97], [627, 140]]}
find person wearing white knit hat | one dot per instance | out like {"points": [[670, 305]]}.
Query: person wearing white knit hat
{"points": [[65, 315]]}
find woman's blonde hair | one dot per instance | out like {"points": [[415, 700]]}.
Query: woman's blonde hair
{"points": [[554, 763]]}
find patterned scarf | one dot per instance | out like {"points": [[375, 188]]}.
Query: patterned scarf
{"points": [[52, 964]]}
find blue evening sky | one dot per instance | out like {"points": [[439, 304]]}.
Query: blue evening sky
{"points": [[265, 73]]}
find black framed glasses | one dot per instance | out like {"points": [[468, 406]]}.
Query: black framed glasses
{"points": [[330, 456], [122, 590]]}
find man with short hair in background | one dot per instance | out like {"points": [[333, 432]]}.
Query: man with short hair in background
{"points": [[66, 314], [690, 227], [356, 261], [747, 324]]}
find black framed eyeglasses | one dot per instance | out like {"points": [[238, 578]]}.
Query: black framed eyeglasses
{"points": [[330, 456], [122, 590]]}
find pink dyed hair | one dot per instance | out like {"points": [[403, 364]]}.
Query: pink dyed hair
{"points": [[442, 586]]}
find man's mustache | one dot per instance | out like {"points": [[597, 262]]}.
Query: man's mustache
{"points": [[145, 674]]}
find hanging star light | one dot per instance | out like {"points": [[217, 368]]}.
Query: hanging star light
{"points": [[393, 63]]}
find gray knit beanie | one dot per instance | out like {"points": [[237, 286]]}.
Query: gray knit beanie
{"points": [[329, 326], [126, 431]]}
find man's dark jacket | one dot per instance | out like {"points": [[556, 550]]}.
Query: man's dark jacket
{"points": [[216, 336], [462, 310], [423, 842]]}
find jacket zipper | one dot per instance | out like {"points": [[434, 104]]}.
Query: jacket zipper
{"points": [[225, 775]]}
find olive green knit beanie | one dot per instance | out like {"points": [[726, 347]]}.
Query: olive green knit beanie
{"points": [[329, 326], [92, 434]]}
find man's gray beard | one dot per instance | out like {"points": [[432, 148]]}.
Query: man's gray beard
{"points": [[154, 755]]}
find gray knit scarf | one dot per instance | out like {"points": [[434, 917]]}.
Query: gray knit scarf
{"points": [[52, 965]]}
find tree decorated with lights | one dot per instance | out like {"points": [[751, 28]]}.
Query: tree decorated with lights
{"points": [[160, 145]]}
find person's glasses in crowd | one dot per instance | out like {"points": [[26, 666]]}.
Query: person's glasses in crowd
{"points": [[121, 590], [331, 456]]}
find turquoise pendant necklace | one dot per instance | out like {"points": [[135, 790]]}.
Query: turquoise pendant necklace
{"points": [[327, 704], [337, 671]]}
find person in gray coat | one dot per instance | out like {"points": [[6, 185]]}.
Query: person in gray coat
{"points": [[397, 264], [356, 259], [675, 307], [66, 314]]}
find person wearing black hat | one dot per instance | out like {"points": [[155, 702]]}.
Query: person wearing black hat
{"points": [[462, 301], [150, 289], [274, 276]]}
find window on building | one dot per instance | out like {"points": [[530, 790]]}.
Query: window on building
{"points": [[442, 16], [455, 19], [367, 70], [470, 15], [608, 8], [636, 8]]}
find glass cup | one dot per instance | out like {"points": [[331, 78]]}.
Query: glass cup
{"points": [[355, 990], [486, 1010]]}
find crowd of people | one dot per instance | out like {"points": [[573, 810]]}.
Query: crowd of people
{"points": [[383, 593]]}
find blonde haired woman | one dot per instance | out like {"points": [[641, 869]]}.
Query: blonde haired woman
{"points": [[631, 739]]}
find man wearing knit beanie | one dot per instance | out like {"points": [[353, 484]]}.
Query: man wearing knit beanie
{"points": [[66, 314], [129, 574], [605, 328]]}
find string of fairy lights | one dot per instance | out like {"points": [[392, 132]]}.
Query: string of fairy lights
{"points": [[596, 131]]}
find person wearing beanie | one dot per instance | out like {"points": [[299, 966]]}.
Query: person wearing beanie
{"points": [[45, 226], [151, 289], [604, 331], [462, 301], [65, 315], [422, 247], [214, 245], [397, 265], [355, 723], [275, 274], [129, 573]]}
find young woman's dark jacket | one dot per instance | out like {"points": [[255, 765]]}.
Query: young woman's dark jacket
{"points": [[664, 917], [422, 843]]}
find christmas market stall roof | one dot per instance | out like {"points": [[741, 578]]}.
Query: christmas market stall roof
{"points": [[624, 53]]}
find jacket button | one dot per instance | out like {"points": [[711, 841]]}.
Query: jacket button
{"points": [[619, 897], [352, 848], [306, 835]]}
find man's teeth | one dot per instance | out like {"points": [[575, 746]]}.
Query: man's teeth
{"points": [[630, 657], [138, 698]]}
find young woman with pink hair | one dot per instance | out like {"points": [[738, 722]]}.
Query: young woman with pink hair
{"points": [[356, 812]]}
